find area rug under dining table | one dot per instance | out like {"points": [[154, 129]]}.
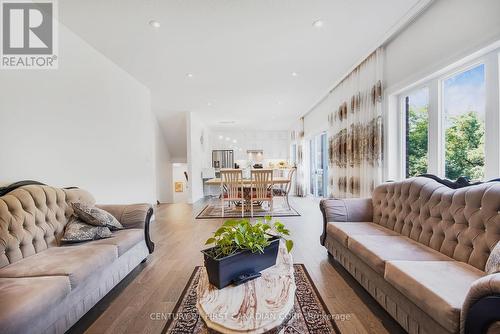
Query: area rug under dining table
{"points": [[214, 210], [309, 315]]}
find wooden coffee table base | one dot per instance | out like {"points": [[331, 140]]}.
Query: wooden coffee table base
{"points": [[254, 307]]}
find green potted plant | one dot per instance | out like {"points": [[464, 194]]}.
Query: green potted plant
{"points": [[242, 249]]}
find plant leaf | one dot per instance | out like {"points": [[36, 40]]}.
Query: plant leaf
{"points": [[230, 223], [219, 231], [210, 241], [278, 225], [289, 245]]}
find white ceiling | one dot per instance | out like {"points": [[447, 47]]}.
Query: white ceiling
{"points": [[241, 53]]}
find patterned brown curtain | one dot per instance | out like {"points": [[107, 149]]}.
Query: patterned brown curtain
{"points": [[356, 131]]}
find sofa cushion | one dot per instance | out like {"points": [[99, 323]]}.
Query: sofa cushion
{"points": [[76, 262], [124, 239], [129, 215], [375, 251], [493, 263], [77, 231], [437, 287], [24, 300], [342, 231], [95, 216]]}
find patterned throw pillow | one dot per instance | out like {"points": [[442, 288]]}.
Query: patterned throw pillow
{"points": [[78, 231], [493, 263], [95, 216]]}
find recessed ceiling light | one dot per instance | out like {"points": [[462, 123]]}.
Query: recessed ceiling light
{"points": [[221, 137], [209, 104], [318, 24], [280, 103], [154, 23], [228, 139], [294, 74], [189, 75], [235, 141]]}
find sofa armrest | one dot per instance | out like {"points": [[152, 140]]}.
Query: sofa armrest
{"points": [[482, 305], [133, 216], [345, 210]]}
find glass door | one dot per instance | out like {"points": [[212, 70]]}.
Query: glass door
{"points": [[319, 166]]}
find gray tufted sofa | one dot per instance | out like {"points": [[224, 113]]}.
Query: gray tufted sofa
{"points": [[45, 287], [420, 248]]}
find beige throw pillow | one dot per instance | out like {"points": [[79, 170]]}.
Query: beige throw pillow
{"points": [[78, 231], [95, 216], [493, 263]]}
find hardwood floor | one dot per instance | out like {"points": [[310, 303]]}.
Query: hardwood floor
{"points": [[136, 304]]}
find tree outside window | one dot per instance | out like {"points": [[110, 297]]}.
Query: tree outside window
{"points": [[464, 111], [417, 132]]}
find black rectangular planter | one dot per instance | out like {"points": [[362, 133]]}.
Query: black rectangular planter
{"points": [[222, 272]]}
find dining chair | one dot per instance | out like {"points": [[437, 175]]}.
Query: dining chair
{"points": [[283, 190], [261, 188], [231, 188]]}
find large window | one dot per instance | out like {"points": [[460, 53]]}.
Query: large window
{"points": [[464, 99], [449, 123], [319, 165], [416, 106]]}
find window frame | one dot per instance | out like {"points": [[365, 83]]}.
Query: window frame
{"points": [[459, 70], [403, 125], [436, 130]]}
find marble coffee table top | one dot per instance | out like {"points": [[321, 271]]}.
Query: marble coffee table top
{"points": [[254, 307]]}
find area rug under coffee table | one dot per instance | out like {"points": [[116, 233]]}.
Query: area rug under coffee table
{"points": [[309, 315]]}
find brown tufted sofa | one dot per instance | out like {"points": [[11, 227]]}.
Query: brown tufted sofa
{"points": [[45, 287], [420, 248]]}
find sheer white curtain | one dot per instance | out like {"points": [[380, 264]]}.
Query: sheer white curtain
{"points": [[298, 139], [356, 130]]}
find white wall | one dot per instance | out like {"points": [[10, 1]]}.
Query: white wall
{"points": [[198, 154], [447, 31], [164, 182], [178, 176], [86, 124], [174, 129], [317, 121]]}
